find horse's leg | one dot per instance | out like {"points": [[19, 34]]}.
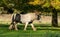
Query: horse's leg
{"points": [[16, 28], [25, 26], [11, 26], [12, 23], [33, 27]]}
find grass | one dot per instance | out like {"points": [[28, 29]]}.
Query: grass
{"points": [[42, 31]]}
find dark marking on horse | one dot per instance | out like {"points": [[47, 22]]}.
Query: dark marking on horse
{"points": [[30, 22], [38, 17]]}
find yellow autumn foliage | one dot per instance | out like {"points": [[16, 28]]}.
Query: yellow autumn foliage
{"points": [[56, 4], [35, 2]]}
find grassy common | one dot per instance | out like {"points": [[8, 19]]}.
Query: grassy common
{"points": [[42, 31]]}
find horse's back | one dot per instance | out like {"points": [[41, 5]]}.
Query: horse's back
{"points": [[28, 17]]}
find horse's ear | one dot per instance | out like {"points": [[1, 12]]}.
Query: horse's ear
{"points": [[37, 13]]}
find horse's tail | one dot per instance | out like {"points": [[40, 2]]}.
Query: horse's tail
{"points": [[12, 22], [13, 18]]}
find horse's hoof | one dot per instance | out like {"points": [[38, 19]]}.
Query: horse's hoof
{"points": [[34, 29], [10, 28], [16, 29], [24, 29]]}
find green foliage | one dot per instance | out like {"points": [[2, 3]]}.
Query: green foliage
{"points": [[41, 32], [24, 6]]}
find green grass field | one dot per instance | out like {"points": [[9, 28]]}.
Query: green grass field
{"points": [[42, 31]]}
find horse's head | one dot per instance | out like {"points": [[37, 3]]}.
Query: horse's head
{"points": [[38, 13]]}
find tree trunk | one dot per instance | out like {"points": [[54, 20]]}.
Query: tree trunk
{"points": [[54, 18]]}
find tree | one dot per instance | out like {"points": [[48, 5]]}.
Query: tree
{"points": [[54, 15], [54, 18], [52, 7]]}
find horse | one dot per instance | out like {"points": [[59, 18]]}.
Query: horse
{"points": [[27, 19]]}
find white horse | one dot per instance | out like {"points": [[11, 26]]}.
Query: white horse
{"points": [[24, 18]]}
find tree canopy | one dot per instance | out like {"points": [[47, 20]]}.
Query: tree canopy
{"points": [[31, 4]]}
